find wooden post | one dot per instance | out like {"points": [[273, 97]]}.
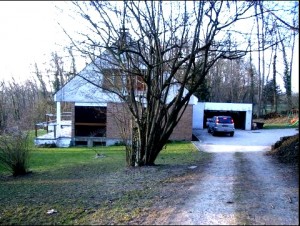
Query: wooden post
{"points": [[54, 128], [90, 142], [47, 123], [58, 119]]}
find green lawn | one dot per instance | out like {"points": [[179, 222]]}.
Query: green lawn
{"points": [[88, 190], [279, 126]]}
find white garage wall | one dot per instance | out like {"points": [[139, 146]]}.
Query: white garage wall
{"points": [[198, 115]]}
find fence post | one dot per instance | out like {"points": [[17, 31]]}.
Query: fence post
{"points": [[54, 126]]}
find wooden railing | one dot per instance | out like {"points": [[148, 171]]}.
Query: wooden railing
{"points": [[51, 120]]}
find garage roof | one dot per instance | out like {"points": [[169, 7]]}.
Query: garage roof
{"points": [[227, 106]]}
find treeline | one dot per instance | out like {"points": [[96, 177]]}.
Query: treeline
{"points": [[237, 81], [240, 81], [23, 104], [231, 81]]}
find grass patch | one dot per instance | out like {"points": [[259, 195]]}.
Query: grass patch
{"points": [[279, 126], [178, 153], [278, 123], [88, 190], [40, 132]]}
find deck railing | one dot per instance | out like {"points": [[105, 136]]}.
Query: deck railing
{"points": [[51, 121]]}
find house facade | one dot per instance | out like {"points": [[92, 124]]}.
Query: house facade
{"points": [[98, 113], [99, 116]]}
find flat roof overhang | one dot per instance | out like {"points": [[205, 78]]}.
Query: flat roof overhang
{"points": [[227, 106]]}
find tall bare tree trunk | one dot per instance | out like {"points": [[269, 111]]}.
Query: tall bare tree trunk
{"points": [[289, 94], [259, 61], [263, 47], [251, 76], [274, 104]]}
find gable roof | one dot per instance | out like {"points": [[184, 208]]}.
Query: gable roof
{"points": [[79, 90]]}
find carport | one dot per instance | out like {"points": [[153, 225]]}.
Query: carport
{"points": [[241, 113]]}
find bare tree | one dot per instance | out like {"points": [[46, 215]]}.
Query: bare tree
{"points": [[269, 90], [275, 99], [23, 104], [233, 81], [41, 80], [251, 73], [283, 15], [19, 103], [143, 43], [287, 71], [259, 41], [285, 30]]}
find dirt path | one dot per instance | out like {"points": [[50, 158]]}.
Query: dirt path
{"points": [[238, 187]]}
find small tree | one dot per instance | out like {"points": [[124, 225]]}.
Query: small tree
{"points": [[269, 90], [15, 152]]}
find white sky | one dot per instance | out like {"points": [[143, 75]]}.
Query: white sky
{"points": [[29, 33]]}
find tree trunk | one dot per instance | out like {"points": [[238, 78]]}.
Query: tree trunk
{"points": [[259, 63], [251, 76], [274, 103]]}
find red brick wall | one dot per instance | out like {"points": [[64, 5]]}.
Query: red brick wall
{"points": [[116, 115], [183, 130], [117, 119]]}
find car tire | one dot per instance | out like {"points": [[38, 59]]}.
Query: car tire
{"points": [[231, 134], [208, 130], [213, 132]]}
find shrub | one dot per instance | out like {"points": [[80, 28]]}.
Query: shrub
{"points": [[286, 149], [15, 152]]}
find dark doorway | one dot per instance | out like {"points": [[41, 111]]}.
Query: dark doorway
{"points": [[239, 117], [90, 121]]}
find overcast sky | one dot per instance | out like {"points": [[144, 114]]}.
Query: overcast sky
{"points": [[29, 33]]}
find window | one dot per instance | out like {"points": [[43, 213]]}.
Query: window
{"points": [[228, 120]]}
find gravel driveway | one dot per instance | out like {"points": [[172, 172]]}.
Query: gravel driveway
{"points": [[240, 185], [244, 141]]}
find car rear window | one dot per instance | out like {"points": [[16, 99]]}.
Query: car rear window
{"points": [[224, 120]]}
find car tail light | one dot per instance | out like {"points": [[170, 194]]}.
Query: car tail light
{"points": [[232, 121]]}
